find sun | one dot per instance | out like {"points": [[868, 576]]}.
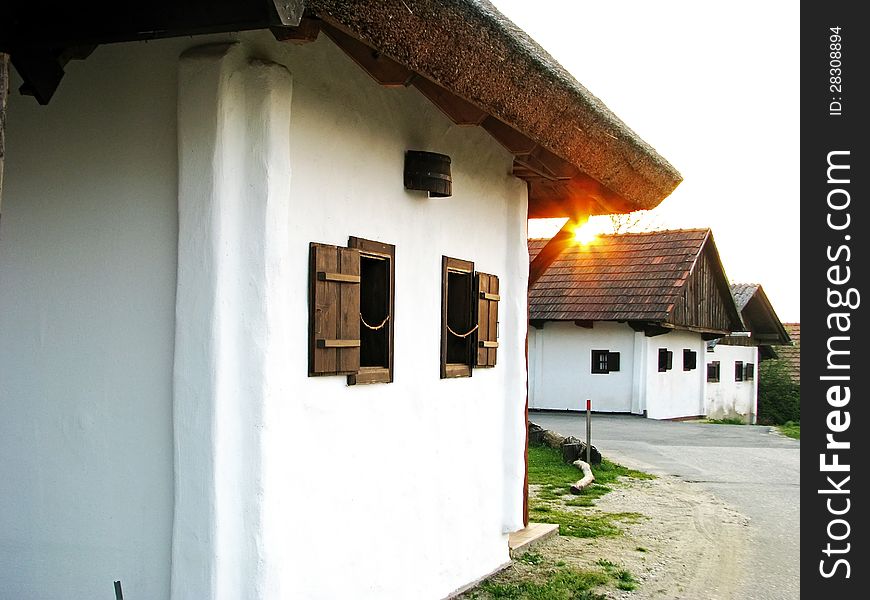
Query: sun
{"points": [[586, 233]]}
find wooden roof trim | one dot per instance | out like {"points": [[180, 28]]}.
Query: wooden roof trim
{"points": [[472, 50], [781, 338]]}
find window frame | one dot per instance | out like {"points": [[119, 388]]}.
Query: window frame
{"points": [[597, 355], [748, 371], [738, 370], [610, 363], [383, 251], [450, 370], [716, 366], [687, 353], [668, 362]]}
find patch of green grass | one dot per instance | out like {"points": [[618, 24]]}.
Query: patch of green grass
{"points": [[552, 503], [566, 584], [625, 580], [585, 525], [728, 421], [791, 429], [554, 477], [531, 558], [623, 577]]}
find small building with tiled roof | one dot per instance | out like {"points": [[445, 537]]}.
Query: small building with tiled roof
{"points": [[624, 322], [732, 384]]}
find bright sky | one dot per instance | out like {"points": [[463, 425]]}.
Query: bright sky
{"points": [[715, 89]]}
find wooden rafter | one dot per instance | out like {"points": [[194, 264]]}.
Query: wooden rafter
{"points": [[304, 33], [383, 69], [457, 110]]}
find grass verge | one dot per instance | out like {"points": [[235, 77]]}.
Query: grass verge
{"points": [[790, 429], [553, 502], [728, 421], [542, 579]]}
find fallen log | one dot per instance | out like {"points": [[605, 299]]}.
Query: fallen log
{"points": [[588, 477]]}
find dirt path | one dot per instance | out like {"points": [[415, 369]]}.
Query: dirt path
{"points": [[690, 545], [695, 545]]}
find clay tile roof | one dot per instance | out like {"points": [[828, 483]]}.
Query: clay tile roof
{"points": [[625, 277], [791, 355]]}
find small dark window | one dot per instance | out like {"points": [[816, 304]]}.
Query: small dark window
{"points": [[738, 370], [377, 298], [457, 317], [713, 371], [748, 371], [599, 361], [351, 299], [469, 318], [666, 360], [605, 361], [690, 360]]}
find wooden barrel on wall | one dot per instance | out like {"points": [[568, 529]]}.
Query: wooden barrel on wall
{"points": [[428, 172]]}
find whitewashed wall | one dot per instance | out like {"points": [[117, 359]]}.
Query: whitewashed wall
{"points": [[561, 378], [560, 367], [280, 480], [675, 393], [728, 398], [87, 304]]}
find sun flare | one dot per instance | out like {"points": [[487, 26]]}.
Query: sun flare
{"points": [[586, 233]]}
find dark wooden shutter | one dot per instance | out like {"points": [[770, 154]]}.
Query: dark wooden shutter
{"points": [[334, 337], [612, 361], [486, 287]]}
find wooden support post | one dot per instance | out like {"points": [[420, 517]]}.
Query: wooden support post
{"points": [[4, 92]]}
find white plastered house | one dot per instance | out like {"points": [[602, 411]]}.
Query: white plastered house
{"points": [[238, 358], [732, 361], [624, 322]]}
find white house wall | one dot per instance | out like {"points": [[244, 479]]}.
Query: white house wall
{"points": [[675, 393], [560, 361], [728, 398], [87, 302], [407, 489], [561, 378]]}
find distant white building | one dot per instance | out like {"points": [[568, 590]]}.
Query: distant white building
{"points": [[732, 361], [625, 322]]}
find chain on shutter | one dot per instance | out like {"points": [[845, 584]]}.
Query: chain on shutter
{"points": [[487, 319], [334, 335]]}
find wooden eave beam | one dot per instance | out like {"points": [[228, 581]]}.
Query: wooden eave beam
{"points": [[551, 251], [579, 196], [382, 69], [457, 110], [41, 41], [557, 188], [305, 33]]}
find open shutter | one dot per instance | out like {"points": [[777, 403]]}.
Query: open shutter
{"points": [[486, 287], [334, 335]]}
